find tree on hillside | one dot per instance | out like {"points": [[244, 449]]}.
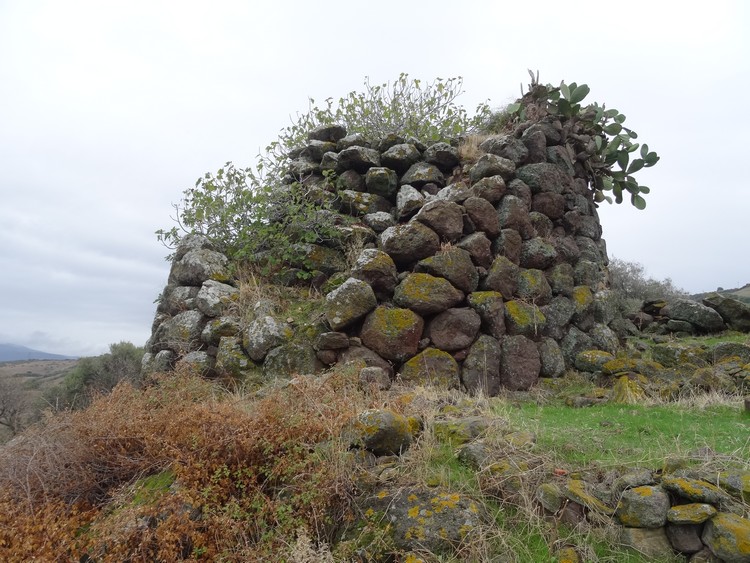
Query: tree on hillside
{"points": [[98, 375], [13, 405], [631, 281]]}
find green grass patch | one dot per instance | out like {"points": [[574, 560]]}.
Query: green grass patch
{"points": [[624, 435]]}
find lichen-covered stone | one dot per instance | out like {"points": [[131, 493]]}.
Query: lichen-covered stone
{"points": [[551, 358], [442, 155], [426, 294], [545, 177], [359, 159], [199, 362], [736, 483], [522, 318], [537, 253], [378, 269], [508, 244], [381, 181], [643, 507], [550, 497], [353, 140], [443, 217], [455, 265], [685, 538], [222, 326], [481, 368], [489, 305], [374, 377], [400, 157], [431, 367], [695, 490], [519, 363], [735, 313], [506, 146], [550, 204], [348, 303], [453, 329], [393, 333], [543, 225], [483, 215], [459, 431], [362, 203], [502, 277], [379, 221], [671, 354], [408, 201], [199, 265], [492, 188], [177, 298], [651, 543], [692, 513], [604, 338], [573, 342], [214, 296], [329, 133], [231, 359], [703, 318], [421, 173], [180, 333], [409, 242], [728, 537], [533, 287], [331, 341], [514, 214], [422, 519], [491, 165], [381, 431], [265, 333], [561, 280], [579, 491], [592, 360], [291, 359], [628, 390], [479, 247]]}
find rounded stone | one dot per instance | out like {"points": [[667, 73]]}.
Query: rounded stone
{"points": [[393, 333]]}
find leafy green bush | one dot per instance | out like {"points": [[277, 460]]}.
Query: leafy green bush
{"points": [[249, 213], [97, 375], [630, 281], [594, 135]]}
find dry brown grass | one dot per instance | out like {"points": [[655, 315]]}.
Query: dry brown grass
{"points": [[469, 150]]}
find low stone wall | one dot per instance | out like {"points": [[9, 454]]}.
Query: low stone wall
{"points": [[487, 269]]}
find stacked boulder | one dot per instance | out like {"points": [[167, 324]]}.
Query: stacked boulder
{"points": [[715, 313], [698, 516], [479, 271]]}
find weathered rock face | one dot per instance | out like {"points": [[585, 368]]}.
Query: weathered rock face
{"points": [[491, 270]]}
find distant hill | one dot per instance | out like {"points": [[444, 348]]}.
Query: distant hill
{"points": [[14, 353], [739, 293]]}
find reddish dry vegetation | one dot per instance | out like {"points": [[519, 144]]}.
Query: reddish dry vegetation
{"points": [[242, 476]]}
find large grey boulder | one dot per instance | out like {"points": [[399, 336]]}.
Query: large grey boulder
{"points": [[427, 519], [227, 325], [453, 329], [514, 214], [481, 368], [214, 297], [199, 362], [728, 537], [491, 188], [443, 217], [177, 298], [381, 181], [361, 203], [537, 253], [377, 269], [199, 265], [506, 146], [393, 333], [520, 364], [533, 287], [410, 242], [426, 294], [263, 334], [422, 173], [491, 310], [643, 507], [545, 177], [231, 359], [180, 333], [359, 159], [442, 155], [491, 165], [550, 357], [705, 319], [502, 277], [453, 264], [328, 133], [400, 157], [735, 313], [409, 200], [522, 318], [349, 302], [380, 431], [479, 247], [431, 367], [483, 215], [291, 359]]}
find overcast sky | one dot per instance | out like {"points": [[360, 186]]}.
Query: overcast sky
{"points": [[110, 109]]}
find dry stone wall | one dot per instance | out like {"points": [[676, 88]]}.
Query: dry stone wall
{"points": [[483, 267]]}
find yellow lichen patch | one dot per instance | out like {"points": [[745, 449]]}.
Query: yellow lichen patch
{"points": [[582, 297], [445, 501], [627, 391], [524, 315], [413, 512], [575, 490], [382, 494]]}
